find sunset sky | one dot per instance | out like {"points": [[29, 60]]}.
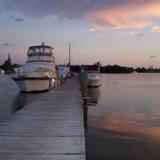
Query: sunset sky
{"points": [[124, 32]]}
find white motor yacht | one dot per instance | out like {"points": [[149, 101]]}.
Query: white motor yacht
{"points": [[94, 80], [39, 73]]}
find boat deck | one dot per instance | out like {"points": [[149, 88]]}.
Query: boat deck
{"points": [[50, 128]]}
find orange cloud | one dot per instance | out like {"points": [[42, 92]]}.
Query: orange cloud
{"points": [[126, 16]]}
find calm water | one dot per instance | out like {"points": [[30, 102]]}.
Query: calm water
{"points": [[125, 123], [11, 100]]}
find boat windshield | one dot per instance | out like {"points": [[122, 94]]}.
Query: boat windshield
{"points": [[37, 51]]}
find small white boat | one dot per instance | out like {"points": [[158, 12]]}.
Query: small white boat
{"points": [[2, 71], [94, 80], [39, 73], [63, 72]]}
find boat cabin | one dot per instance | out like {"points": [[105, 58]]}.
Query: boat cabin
{"points": [[41, 53], [41, 50]]}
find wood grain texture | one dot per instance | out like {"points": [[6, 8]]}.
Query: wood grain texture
{"points": [[50, 128]]}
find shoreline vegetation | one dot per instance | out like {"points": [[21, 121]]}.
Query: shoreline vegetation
{"points": [[117, 69], [8, 67]]}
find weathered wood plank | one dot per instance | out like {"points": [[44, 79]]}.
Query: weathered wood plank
{"points": [[49, 128], [42, 157], [41, 145]]}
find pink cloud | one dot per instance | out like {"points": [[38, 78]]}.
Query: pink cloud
{"points": [[103, 14], [156, 29], [126, 16]]}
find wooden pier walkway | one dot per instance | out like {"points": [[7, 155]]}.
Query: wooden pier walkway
{"points": [[50, 128]]}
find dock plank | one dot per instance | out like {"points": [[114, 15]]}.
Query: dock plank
{"points": [[49, 128], [42, 157]]}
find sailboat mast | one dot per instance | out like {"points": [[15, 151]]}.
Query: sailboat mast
{"points": [[69, 54]]}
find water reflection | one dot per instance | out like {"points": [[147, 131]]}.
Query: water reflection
{"points": [[93, 95], [85, 116], [125, 123], [111, 145], [122, 136], [90, 96], [11, 100]]}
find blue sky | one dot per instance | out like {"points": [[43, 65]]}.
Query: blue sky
{"points": [[111, 31]]}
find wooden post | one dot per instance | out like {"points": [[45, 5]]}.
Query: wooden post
{"points": [[84, 86]]}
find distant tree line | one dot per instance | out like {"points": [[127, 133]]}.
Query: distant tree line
{"points": [[8, 67], [147, 70], [118, 69]]}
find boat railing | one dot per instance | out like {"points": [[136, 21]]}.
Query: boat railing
{"points": [[19, 72], [22, 72]]}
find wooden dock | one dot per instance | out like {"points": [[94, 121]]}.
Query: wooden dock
{"points": [[50, 128]]}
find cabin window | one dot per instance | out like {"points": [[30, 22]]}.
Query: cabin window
{"points": [[31, 51], [37, 50], [41, 50], [47, 50]]}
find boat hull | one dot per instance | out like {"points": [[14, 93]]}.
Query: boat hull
{"points": [[34, 84], [94, 83]]}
